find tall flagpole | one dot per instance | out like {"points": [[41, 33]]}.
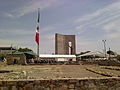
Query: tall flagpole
{"points": [[38, 23]]}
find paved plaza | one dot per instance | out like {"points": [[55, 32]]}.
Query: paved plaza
{"points": [[57, 71]]}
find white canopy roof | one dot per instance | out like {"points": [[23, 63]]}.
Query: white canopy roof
{"points": [[56, 56], [96, 53]]}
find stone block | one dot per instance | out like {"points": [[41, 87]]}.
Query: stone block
{"points": [[71, 86]]}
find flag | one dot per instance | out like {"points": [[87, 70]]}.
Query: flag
{"points": [[37, 35], [37, 29]]}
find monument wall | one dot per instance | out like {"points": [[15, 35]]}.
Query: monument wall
{"points": [[62, 44]]}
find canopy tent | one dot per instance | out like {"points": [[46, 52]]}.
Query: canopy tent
{"points": [[95, 53]]}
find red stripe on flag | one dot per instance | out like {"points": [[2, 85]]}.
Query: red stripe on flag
{"points": [[37, 37]]}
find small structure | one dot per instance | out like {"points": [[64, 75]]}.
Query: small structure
{"points": [[7, 50], [20, 57], [16, 59]]}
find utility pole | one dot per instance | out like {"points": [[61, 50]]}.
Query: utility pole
{"points": [[109, 53], [11, 49], [104, 42]]}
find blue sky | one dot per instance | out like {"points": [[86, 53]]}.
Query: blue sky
{"points": [[90, 20]]}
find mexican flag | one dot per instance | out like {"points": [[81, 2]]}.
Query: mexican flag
{"points": [[37, 35]]}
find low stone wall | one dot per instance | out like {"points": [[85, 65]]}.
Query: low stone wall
{"points": [[103, 63], [62, 84]]}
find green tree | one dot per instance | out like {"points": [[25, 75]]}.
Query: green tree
{"points": [[2, 56], [110, 52], [25, 50], [118, 57], [28, 53]]}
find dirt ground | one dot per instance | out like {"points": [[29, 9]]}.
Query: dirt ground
{"points": [[57, 71]]}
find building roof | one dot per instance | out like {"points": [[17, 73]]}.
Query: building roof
{"points": [[30, 53], [17, 52], [95, 53], [56, 56], [7, 48]]}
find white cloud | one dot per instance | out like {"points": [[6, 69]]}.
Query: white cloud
{"points": [[88, 17], [47, 29], [9, 15], [48, 37], [114, 25], [84, 43], [16, 37], [112, 29], [47, 43], [8, 41], [16, 32], [106, 18], [113, 35], [109, 10], [33, 5]]}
